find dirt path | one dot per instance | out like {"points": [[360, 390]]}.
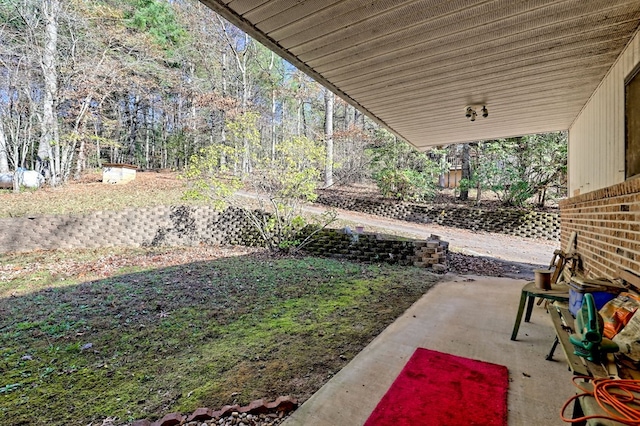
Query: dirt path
{"points": [[500, 246], [516, 254]]}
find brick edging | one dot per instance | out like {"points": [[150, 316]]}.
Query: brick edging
{"points": [[282, 404]]}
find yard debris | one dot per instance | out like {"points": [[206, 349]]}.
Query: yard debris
{"points": [[474, 265]]}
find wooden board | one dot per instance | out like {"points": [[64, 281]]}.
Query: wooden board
{"points": [[571, 244], [575, 363], [578, 365], [630, 278], [595, 370]]}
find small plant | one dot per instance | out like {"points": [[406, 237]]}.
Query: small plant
{"points": [[9, 388], [73, 347], [405, 185], [280, 184]]}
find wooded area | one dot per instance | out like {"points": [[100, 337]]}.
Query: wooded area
{"points": [[153, 83], [143, 82]]}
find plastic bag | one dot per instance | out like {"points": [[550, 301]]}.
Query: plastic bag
{"points": [[627, 339], [618, 312]]}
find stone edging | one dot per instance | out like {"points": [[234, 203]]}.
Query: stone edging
{"points": [[283, 404]]}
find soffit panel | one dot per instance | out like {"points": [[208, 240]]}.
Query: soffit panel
{"points": [[413, 65], [460, 49], [464, 25], [495, 64]]}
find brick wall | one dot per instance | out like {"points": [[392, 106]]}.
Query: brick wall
{"points": [[607, 222]]}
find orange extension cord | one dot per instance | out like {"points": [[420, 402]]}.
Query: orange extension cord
{"points": [[610, 394]]}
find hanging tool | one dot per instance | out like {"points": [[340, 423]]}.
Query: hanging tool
{"points": [[587, 340]]}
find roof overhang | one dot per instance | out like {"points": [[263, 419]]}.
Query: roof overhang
{"points": [[415, 65]]}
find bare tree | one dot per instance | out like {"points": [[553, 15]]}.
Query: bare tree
{"points": [[4, 160], [329, 99], [49, 147], [240, 50]]}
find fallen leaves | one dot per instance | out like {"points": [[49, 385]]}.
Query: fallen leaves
{"points": [[465, 264]]}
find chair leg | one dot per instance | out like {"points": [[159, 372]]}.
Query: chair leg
{"points": [[578, 413], [516, 325], [553, 349], [530, 302]]}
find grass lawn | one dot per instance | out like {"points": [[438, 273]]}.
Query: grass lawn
{"points": [[138, 333], [90, 194]]}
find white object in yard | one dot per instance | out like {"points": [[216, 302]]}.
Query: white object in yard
{"points": [[30, 178], [26, 178], [6, 180], [118, 173]]}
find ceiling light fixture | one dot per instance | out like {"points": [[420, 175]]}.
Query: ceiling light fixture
{"points": [[471, 114]]}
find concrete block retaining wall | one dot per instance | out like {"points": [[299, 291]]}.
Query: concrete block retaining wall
{"points": [[154, 226], [377, 248], [520, 223], [185, 226]]}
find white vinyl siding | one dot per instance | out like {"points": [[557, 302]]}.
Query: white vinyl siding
{"points": [[597, 136]]}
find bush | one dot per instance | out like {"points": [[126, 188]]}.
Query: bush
{"points": [[405, 185]]}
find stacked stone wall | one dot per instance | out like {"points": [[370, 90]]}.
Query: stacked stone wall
{"points": [[187, 226], [521, 223], [607, 224], [380, 248], [154, 226]]}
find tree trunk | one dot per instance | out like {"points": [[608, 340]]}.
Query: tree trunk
{"points": [[246, 147], [443, 164], [466, 172], [242, 58], [299, 118], [82, 158], [273, 124], [329, 99], [82, 162], [304, 120], [4, 159], [223, 128], [273, 109], [46, 155]]}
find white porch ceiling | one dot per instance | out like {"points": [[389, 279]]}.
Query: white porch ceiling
{"points": [[413, 65]]}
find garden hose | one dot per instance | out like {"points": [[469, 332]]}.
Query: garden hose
{"points": [[614, 396]]}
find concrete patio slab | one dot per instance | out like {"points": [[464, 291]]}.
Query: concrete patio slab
{"points": [[466, 316]]}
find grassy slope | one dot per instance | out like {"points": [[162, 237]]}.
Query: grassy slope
{"points": [[90, 194], [175, 329]]}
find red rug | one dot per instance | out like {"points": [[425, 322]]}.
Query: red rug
{"points": [[438, 389]]}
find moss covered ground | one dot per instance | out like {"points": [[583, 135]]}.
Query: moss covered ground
{"points": [[137, 333]]}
